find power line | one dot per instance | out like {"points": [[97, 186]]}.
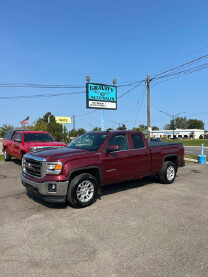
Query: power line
{"points": [[139, 108], [128, 91], [176, 70], [25, 85], [192, 53], [40, 95], [38, 86]]}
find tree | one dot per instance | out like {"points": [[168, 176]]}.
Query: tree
{"points": [[4, 129], [81, 131], [135, 129], [192, 135], [52, 127], [195, 124], [109, 129], [167, 127], [73, 133], [95, 129], [39, 125], [143, 127], [181, 123], [49, 117], [155, 128], [123, 127]]}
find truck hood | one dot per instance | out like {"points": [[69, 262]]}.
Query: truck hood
{"points": [[47, 143], [57, 154]]}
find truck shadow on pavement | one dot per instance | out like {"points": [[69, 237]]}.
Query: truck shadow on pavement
{"points": [[106, 190], [46, 204], [127, 185]]}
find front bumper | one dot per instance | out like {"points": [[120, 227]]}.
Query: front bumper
{"points": [[40, 190]]}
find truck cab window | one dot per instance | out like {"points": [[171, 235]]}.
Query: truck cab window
{"points": [[137, 141], [120, 140]]}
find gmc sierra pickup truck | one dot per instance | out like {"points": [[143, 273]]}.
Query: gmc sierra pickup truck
{"points": [[17, 143], [77, 172]]}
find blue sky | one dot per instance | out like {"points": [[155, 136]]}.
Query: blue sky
{"points": [[60, 42]]}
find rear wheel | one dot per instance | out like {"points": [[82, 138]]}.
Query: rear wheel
{"points": [[168, 172], [7, 157], [82, 190]]}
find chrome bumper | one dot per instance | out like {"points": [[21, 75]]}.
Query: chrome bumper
{"points": [[42, 188]]}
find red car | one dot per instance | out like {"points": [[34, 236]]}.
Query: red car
{"points": [[17, 143], [77, 172]]}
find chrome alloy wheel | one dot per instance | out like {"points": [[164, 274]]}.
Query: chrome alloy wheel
{"points": [[170, 173], [5, 154], [85, 191]]}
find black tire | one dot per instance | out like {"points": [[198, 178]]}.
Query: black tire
{"points": [[168, 173], [82, 190], [7, 157]]}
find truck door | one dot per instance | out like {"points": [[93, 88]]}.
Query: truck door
{"points": [[116, 166], [140, 156], [10, 147], [17, 144]]}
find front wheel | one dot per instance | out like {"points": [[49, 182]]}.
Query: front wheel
{"points": [[7, 157], [82, 190], [168, 173]]}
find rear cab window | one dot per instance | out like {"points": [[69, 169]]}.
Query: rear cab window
{"points": [[137, 140], [121, 140]]}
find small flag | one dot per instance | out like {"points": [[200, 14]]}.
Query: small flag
{"points": [[25, 121]]}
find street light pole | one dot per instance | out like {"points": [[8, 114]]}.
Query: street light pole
{"points": [[173, 116]]}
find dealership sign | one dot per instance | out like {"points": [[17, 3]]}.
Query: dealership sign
{"points": [[63, 120], [99, 96]]}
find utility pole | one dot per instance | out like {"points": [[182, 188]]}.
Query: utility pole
{"points": [[148, 107], [73, 121]]}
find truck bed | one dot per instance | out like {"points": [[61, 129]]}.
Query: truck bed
{"points": [[162, 143]]}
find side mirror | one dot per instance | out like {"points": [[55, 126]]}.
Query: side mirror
{"points": [[112, 148], [18, 140]]}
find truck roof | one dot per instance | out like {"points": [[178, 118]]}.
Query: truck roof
{"points": [[10, 133], [113, 132]]}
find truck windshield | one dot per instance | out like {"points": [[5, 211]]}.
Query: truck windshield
{"points": [[38, 137], [91, 142]]}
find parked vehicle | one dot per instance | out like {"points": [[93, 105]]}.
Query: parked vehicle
{"points": [[17, 143], [77, 172]]}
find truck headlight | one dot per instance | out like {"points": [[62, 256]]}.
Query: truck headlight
{"points": [[53, 168]]}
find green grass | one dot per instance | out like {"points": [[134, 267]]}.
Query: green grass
{"points": [[188, 142], [1, 157], [191, 156]]}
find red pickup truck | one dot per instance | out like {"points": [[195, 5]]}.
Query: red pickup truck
{"points": [[77, 172], [17, 143]]}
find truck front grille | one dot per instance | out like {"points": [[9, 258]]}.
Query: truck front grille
{"points": [[33, 167]]}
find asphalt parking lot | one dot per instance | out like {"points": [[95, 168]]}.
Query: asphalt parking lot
{"points": [[138, 228]]}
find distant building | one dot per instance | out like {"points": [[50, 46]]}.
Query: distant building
{"points": [[206, 135], [178, 133]]}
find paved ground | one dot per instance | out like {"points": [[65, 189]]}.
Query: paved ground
{"points": [[138, 228], [196, 150], [1, 153]]}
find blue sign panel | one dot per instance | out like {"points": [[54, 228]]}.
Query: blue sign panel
{"points": [[101, 96]]}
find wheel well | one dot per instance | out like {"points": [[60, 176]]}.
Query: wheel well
{"points": [[93, 171], [172, 159]]}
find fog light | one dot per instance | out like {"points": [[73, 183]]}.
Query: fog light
{"points": [[51, 187]]}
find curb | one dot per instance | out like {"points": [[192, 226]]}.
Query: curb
{"points": [[191, 160]]}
